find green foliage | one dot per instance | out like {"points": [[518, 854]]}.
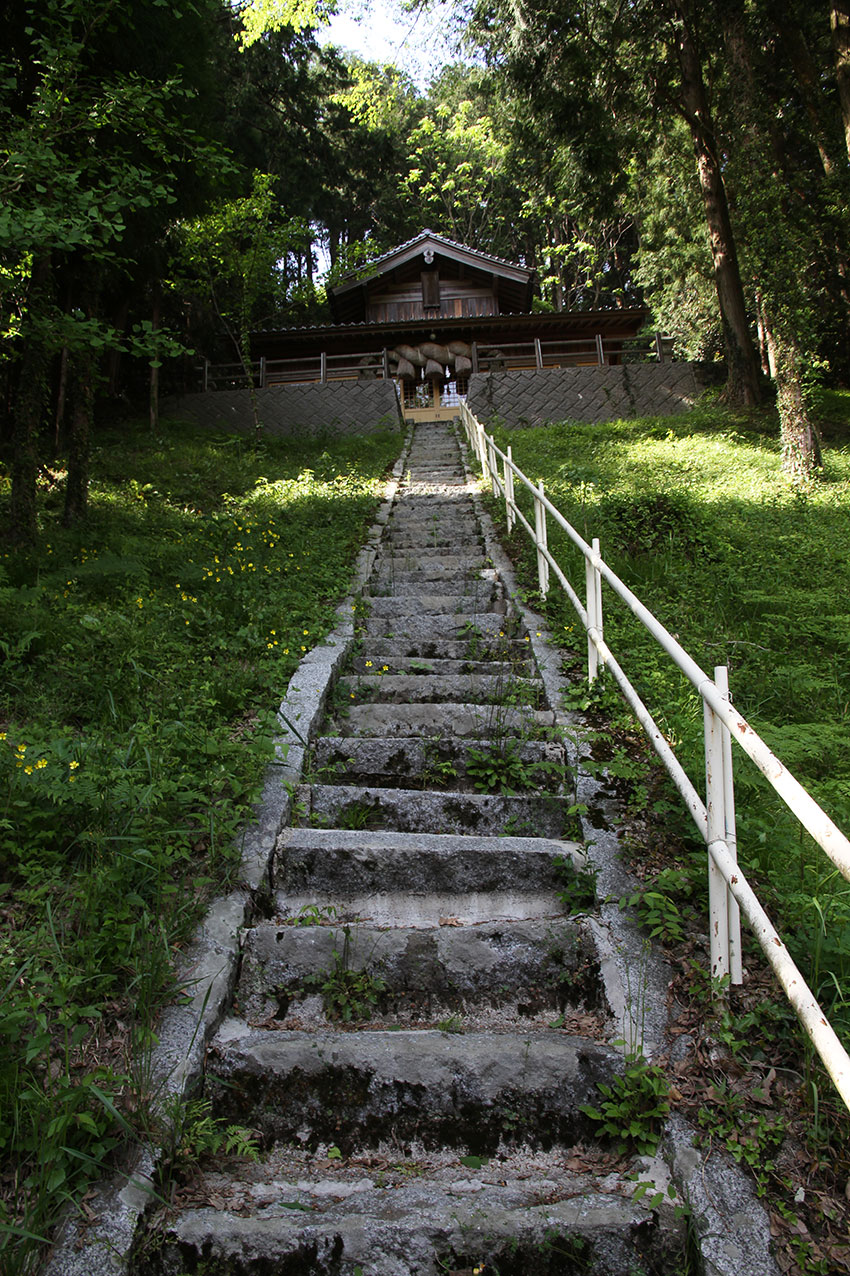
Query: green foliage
{"points": [[498, 769], [576, 886], [194, 1133], [633, 1107], [139, 662], [655, 907]]}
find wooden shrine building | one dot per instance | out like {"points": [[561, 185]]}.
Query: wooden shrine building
{"points": [[429, 315]]}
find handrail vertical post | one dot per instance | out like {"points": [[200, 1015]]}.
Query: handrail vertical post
{"points": [[540, 539], [262, 372], [600, 350], [206, 375], [323, 367], [736, 968], [593, 583], [492, 466], [659, 347], [509, 492], [718, 914]]}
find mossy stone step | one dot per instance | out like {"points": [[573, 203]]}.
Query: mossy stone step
{"points": [[435, 763], [301, 1214], [347, 862], [477, 1092], [515, 651], [460, 720], [342, 806], [487, 598], [530, 968], [497, 690], [415, 666]]}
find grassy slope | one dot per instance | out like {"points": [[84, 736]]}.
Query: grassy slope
{"points": [[142, 658], [695, 516]]}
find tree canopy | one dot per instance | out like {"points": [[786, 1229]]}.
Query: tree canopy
{"points": [[171, 176]]}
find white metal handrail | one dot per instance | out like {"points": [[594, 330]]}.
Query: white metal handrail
{"points": [[729, 892]]}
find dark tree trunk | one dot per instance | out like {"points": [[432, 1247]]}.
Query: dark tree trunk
{"points": [[742, 385], [27, 412], [156, 314], [839, 18], [783, 309], [79, 439]]}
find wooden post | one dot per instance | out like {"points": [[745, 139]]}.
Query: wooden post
{"points": [[593, 582], [540, 539], [718, 913], [600, 350], [386, 363], [206, 375], [262, 372], [323, 367], [736, 967], [659, 347], [538, 354], [509, 492], [475, 356]]}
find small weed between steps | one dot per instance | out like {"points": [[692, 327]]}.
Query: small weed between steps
{"points": [[576, 885], [633, 1107], [438, 769], [194, 1133], [497, 769], [349, 993], [655, 907]]}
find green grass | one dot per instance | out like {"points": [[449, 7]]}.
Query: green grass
{"points": [[694, 515], [141, 661]]}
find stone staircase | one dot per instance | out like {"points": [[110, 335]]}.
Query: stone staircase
{"points": [[420, 1021]]}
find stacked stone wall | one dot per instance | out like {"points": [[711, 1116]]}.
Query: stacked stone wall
{"points": [[530, 397], [311, 410]]}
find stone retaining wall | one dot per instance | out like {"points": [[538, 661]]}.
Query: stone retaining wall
{"points": [[516, 398], [333, 407], [529, 397]]}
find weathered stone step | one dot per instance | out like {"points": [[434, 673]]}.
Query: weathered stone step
{"points": [[302, 1214], [345, 862], [525, 969], [433, 764], [461, 688], [463, 721], [427, 554], [474, 627], [423, 910], [410, 565], [516, 651], [442, 501], [343, 806], [399, 606], [415, 666], [397, 584], [478, 1092]]}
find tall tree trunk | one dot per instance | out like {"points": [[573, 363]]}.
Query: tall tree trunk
{"points": [[801, 450], [742, 369], [153, 396], [839, 21], [783, 307], [27, 411], [79, 439]]}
